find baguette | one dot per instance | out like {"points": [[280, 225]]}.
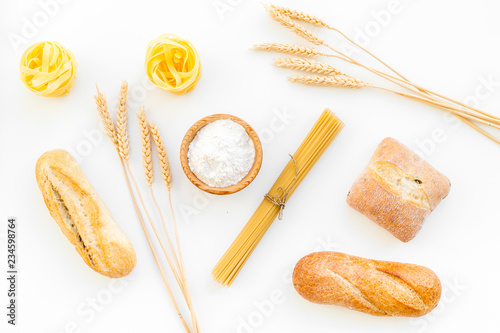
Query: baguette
{"points": [[82, 216], [379, 288], [398, 190]]}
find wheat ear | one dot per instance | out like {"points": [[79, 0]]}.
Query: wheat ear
{"points": [[300, 16], [307, 65], [162, 155], [148, 171], [147, 160], [121, 123], [106, 121], [290, 48], [336, 81], [422, 94], [295, 27], [304, 17]]}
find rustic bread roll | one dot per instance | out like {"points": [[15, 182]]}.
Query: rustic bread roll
{"points": [[82, 216], [379, 288], [398, 190]]}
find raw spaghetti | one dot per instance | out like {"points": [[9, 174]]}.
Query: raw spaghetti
{"points": [[324, 131]]}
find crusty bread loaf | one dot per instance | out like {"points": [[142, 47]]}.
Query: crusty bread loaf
{"points": [[380, 288], [398, 190], [82, 216]]}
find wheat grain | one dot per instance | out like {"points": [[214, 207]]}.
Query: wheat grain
{"points": [[295, 27], [335, 81], [162, 155], [106, 121], [307, 65], [147, 160], [121, 124], [289, 48], [294, 14]]}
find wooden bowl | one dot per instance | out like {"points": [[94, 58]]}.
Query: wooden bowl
{"points": [[191, 133]]}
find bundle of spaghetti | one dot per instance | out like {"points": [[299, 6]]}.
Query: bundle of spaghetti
{"points": [[324, 131]]}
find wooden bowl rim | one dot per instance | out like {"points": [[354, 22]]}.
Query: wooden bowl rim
{"points": [[189, 136]]}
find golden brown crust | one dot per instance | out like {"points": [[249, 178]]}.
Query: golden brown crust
{"points": [[82, 216], [379, 288], [397, 205]]}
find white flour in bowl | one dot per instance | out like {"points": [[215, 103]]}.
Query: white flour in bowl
{"points": [[221, 153]]}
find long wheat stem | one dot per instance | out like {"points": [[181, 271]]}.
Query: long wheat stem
{"points": [[450, 108], [150, 243], [194, 319], [167, 178], [155, 231], [148, 172]]}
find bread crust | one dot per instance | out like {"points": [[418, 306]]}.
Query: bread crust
{"points": [[82, 216], [379, 288], [399, 210]]}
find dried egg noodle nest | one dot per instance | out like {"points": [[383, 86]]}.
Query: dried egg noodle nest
{"points": [[173, 64], [48, 69]]}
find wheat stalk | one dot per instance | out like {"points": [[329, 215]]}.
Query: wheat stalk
{"points": [[295, 27], [123, 152], [176, 264], [110, 129], [162, 155], [147, 159], [301, 16], [121, 123], [335, 81], [167, 178], [284, 16], [106, 121], [307, 65], [400, 81], [466, 113]]}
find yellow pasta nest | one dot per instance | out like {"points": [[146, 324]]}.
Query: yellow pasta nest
{"points": [[48, 69], [173, 64]]}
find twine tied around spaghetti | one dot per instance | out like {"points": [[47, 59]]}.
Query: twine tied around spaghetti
{"points": [[281, 195]]}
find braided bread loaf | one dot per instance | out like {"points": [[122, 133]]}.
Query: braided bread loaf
{"points": [[379, 288]]}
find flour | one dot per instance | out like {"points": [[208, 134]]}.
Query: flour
{"points": [[221, 154]]}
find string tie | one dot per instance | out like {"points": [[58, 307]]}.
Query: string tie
{"points": [[282, 195]]}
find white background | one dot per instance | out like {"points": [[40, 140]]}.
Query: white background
{"points": [[447, 45]]}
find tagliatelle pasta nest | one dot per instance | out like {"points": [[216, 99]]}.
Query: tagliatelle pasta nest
{"points": [[173, 64], [48, 69]]}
